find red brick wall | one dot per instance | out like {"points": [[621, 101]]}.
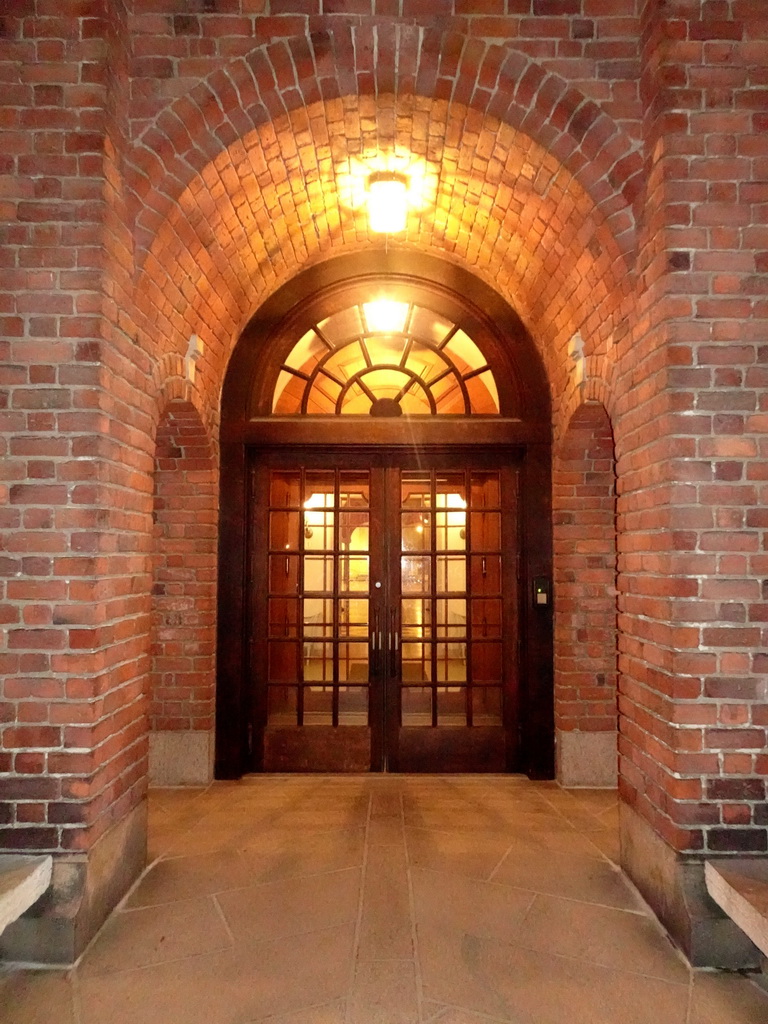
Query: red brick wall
{"points": [[166, 165], [184, 574], [584, 504], [692, 447]]}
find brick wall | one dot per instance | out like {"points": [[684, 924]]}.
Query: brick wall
{"points": [[584, 503], [166, 165], [184, 574]]}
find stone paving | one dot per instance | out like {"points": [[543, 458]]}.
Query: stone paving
{"points": [[381, 900]]}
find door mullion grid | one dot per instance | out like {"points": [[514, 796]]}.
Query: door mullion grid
{"points": [[300, 595], [336, 600], [433, 592], [469, 636]]}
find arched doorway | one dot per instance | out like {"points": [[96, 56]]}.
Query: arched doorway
{"points": [[385, 599]]}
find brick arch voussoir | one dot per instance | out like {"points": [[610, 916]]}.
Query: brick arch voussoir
{"points": [[278, 78]]}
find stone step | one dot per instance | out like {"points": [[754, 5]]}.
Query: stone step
{"points": [[23, 880], [740, 888]]}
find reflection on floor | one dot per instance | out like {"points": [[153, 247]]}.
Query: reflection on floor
{"points": [[381, 900]]}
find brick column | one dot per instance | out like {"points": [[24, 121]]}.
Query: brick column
{"points": [[74, 598], [692, 470]]}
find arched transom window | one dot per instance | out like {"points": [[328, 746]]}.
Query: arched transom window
{"points": [[385, 357]]}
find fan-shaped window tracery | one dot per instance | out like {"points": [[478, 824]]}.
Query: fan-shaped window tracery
{"points": [[385, 357]]}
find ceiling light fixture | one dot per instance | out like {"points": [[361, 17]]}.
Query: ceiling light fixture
{"points": [[387, 202]]}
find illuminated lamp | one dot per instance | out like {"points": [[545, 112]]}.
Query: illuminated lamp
{"points": [[387, 202]]}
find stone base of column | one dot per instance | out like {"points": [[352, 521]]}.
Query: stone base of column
{"points": [[674, 887], [84, 889], [180, 758], [586, 759]]}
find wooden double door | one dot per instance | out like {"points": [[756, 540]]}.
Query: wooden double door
{"points": [[383, 608]]}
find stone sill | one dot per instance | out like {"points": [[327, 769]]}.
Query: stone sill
{"points": [[740, 888], [23, 880]]}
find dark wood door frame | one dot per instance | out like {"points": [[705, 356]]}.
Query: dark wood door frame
{"points": [[524, 438]]}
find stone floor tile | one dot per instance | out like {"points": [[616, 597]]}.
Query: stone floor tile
{"points": [[331, 1013], [453, 903], [244, 984], [726, 999], [385, 832], [386, 928], [475, 854], [612, 938], [572, 876], [36, 997], [292, 906], [171, 931], [274, 854], [183, 878], [384, 992], [529, 987]]}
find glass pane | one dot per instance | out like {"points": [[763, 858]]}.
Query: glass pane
{"points": [[485, 574], [385, 351], [451, 530], [284, 530], [318, 573], [285, 489], [416, 531], [283, 574], [353, 705], [486, 618], [353, 531], [451, 618], [486, 705], [282, 706], [354, 489], [486, 490], [451, 491], [318, 617], [425, 362], [318, 705], [451, 574], [483, 394], [324, 395], [353, 663], [306, 353], [356, 401], [353, 617], [415, 574], [283, 617], [448, 396], [416, 705], [464, 352], [385, 316], [415, 490], [415, 402], [486, 531], [346, 362], [283, 661], [486, 663], [318, 529], [451, 663], [428, 325], [318, 662], [342, 326], [416, 663], [319, 488], [353, 574], [288, 395], [452, 706], [416, 615]]}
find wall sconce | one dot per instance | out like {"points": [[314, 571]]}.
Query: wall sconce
{"points": [[387, 202], [194, 351]]}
